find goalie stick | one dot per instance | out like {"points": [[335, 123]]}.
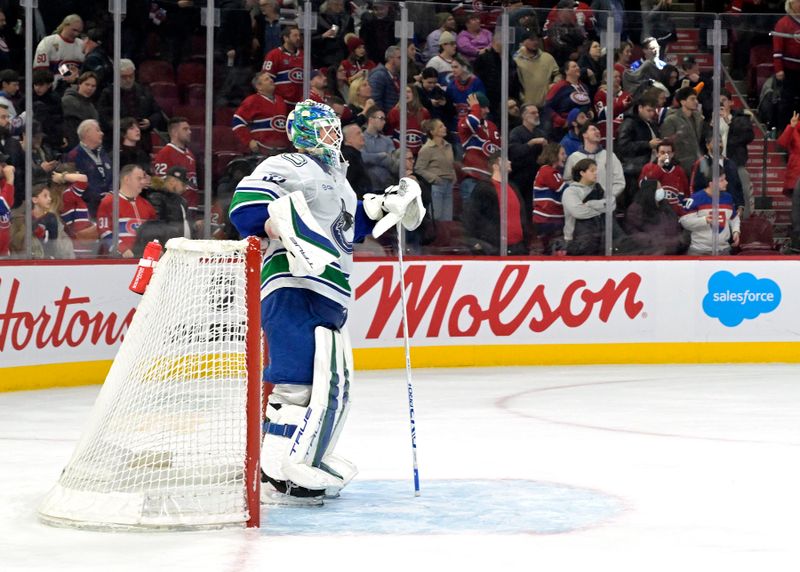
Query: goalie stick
{"points": [[407, 345]]}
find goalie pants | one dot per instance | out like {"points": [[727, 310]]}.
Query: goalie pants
{"points": [[288, 317]]}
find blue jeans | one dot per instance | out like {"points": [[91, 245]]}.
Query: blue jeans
{"points": [[442, 199]]}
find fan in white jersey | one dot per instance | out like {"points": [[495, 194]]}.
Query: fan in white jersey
{"points": [[63, 47], [309, 216]]}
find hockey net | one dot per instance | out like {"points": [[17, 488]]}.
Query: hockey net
{"points": [[173, 439]]}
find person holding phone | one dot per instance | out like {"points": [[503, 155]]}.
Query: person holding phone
{"points": [[65, 46], [327, 41]]}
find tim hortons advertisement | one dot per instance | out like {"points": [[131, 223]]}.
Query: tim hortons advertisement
{"points": [[63, 313]]}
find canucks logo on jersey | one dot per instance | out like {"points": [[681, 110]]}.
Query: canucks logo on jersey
{"points": [[340, 226]]}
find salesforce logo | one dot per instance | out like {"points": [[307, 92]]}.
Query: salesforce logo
{"points": [[733, 299]]}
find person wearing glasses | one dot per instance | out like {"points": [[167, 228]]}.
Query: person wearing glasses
{"points": [[378, 152]]}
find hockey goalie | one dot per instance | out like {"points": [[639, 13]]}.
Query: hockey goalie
{"points": [[309, 217]]}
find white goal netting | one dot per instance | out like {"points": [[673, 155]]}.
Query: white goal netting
{"points": [[166, 442]]}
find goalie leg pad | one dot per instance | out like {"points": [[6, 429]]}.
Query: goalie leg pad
{"points": [[299, 439], [325, 415], [308, 246]]}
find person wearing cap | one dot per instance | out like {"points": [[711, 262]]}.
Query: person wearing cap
{"points": [[447, 23], [385, 80], [167, 199], [6, 203], [443, 62], [480, 138], [699, 222], [538, 70], [260, 121], [572, 141], [356, 63], [689, 72], [684, 126], [318, 85], [473, 40]]}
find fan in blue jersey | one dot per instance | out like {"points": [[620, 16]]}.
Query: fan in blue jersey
{"points": [[309, 217]]}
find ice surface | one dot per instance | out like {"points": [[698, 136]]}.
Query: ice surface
{"points": [[640, 468]]}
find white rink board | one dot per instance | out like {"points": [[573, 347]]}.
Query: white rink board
{"points": [[66, 313]]}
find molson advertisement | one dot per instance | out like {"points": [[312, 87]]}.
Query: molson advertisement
{"points": [[61, 323]]}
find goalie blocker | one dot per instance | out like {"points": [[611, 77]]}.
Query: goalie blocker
{"points": [[303, 426]]}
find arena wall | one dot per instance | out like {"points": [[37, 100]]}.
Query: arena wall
{"points": [[62, 322]]}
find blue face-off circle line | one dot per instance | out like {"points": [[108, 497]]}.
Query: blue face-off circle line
{"points": [[503, 506]]}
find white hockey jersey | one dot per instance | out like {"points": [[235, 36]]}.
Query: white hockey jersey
{"points": [[333, 204]]}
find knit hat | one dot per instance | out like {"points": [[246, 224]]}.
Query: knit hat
{"points": [[447, 38], [483, 101], [352, 42], [573, 115]]}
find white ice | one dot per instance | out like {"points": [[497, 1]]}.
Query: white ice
{"points": [[703, 460]]}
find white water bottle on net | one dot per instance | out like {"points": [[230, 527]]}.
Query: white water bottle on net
{"points": [[173, 439]]}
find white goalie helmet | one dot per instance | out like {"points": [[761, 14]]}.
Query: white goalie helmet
{"points": [[315, 128]]}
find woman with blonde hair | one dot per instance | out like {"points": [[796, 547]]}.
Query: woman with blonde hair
{"points": [[359, 99], [435, 164]]}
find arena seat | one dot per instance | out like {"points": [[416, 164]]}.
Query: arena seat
{"points": [[150, 71], [166, 95]]}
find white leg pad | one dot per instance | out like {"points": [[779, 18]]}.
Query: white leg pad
{"points": [[306, 458]]}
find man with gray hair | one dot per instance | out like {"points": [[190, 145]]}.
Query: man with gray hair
{"points": [[93, 161], [385, 80], [135, 101]]}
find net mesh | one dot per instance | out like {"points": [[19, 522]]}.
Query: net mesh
{"points": [[165, 444]]}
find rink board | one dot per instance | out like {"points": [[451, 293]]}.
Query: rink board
{"points": [[62, 322]]}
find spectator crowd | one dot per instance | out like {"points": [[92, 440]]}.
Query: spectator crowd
{"points": [[659, 189]]}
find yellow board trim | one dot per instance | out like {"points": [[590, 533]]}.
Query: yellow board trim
{"points": [[94, 372]]}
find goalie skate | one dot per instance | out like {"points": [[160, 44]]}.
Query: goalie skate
{"points": [[291, 495]]}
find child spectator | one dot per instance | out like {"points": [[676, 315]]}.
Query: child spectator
{"points": [[74, 212], [548, 187]]}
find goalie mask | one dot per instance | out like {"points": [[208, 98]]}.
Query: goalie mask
{"points": [[315, 128]]}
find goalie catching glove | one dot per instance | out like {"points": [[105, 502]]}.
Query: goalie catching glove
{"points": [[399, 203]]}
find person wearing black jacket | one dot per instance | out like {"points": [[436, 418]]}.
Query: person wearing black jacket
{"points": [[171, 209], [739, 126], [525, 144], [636, 142], [434, 98], [487, 67], [351, 151], [47, 109]]}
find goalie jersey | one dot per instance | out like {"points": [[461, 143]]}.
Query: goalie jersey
{"points": [[333, 205]]}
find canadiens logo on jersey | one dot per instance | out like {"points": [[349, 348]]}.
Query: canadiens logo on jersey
{"points": [[580, 97], [489, 148], [279, 122], [339, 228], [296, 75]]}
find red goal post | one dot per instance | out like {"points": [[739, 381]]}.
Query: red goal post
{"points": [[173, 441]]}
